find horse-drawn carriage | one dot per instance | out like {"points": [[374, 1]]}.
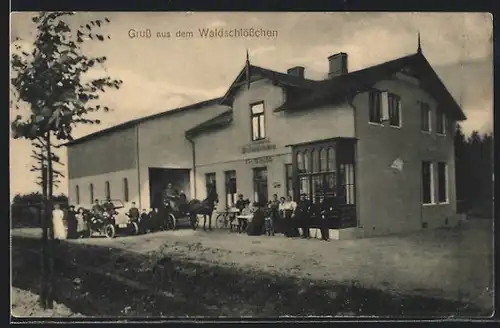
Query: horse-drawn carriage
{"points": [[112, 221], [180, 215]]}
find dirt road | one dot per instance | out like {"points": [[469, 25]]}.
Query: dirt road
{"points": [[437, 263]]}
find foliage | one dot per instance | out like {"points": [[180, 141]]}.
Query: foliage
{"points": [[474, 171], [50, 79], [36, 198]]}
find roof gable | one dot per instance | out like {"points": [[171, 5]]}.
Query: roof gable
{"points": [[257, 73]]}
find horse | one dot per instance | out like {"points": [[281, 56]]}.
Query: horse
{"points": [[205, 208]]}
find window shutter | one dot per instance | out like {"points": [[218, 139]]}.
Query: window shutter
{"points": [[385, 105]]}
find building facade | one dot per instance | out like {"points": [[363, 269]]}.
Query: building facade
{"points": [[379, 139]]}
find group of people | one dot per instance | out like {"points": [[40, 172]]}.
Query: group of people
{"points": [[282, 215]]}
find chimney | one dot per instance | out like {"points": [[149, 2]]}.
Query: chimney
{"points": [[296, 71], [337, 65]]}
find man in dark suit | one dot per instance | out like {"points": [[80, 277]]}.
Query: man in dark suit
{"points": [[303, 215]]}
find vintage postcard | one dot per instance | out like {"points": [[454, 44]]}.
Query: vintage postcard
{"points": [[263, 165]]}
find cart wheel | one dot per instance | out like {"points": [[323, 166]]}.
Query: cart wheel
{"points": [[110, 231], [171, 222], [219, 221], [135, 228]]}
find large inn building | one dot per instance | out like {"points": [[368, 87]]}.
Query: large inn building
{"points": [[380, 139]]}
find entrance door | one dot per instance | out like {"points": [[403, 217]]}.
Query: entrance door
{"points": [[260, 185]]}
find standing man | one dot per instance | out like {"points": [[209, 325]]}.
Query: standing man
{"points": [[133, 212], [72, 223], [303, 215]]}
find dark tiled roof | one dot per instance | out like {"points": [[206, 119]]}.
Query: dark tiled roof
{"points": [[132, 123], [340, 87], [286, 79], [218, 121]]}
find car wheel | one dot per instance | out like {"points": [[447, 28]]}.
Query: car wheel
{"points": [[110, 231], [135, 228], [171, 222]]}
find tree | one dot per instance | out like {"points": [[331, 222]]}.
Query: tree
{"points": [[41, 159], [51, 81]]}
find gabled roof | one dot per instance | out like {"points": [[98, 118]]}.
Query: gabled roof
{"points": [[283, 79], [132, 123], [216, 122], [339, 88]]}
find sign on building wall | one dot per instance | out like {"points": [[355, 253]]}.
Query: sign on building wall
{"points": [[259, 160], [251, 148]]}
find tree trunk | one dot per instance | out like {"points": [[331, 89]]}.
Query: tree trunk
{"points": [[45, 226], [50, 178]]}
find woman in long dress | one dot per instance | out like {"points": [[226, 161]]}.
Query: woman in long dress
{"points": [[58, 223]]}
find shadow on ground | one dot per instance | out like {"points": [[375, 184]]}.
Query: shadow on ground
{"points": [[191, 289]]}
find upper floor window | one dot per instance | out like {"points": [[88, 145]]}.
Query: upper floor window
{"points": [[425, 117], [375, 109], [440, 122], [258, 121], [394, 110], [91, 190]]}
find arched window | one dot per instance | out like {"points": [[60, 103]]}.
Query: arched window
{"points": [[300, 163], [91, 189], [77, 195], [307, 163], [315, 160], [331, 160], [107, 190], [125, 189], [323, 158]]}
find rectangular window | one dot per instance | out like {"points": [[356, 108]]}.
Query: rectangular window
{"points": [[77, 194], [425, 114], [231, 189], [210, 181], [346, 183], [442, 182], [374, 107], [125, 190], [289, 180], [394, 110], [427, 183], [258, 122], [260, 185], [107, 190], [440, 123], [91, 189]]}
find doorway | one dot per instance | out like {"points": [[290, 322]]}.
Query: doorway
{"points": [[159, 178], [260, 185]]}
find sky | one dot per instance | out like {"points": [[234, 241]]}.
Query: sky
{"points": [[162, 73]]}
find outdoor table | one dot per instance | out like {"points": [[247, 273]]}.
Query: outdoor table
{"points": [[246, 219]]}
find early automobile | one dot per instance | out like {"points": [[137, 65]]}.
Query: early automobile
{"points": [[112, 221]]}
